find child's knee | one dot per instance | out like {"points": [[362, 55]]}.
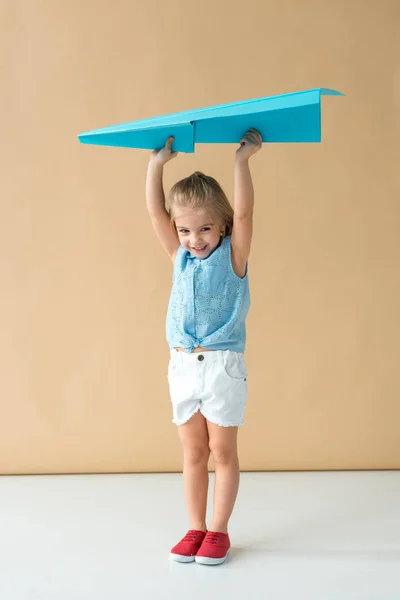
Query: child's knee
{"points": [[196, 453], [223, 454]]}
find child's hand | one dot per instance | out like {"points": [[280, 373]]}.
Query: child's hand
{"points": [[160, 157], [250, 143]]}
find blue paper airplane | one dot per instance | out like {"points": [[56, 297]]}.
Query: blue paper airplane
{"points": [[292, 117]]}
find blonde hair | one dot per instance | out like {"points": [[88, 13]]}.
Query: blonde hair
{"points": [[199, 191]]}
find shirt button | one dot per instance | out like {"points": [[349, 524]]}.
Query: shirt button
{"points": [[200, 357]]}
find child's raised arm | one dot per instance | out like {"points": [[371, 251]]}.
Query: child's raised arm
{"points": [[155, 199], [243, 190], [242, 229]]}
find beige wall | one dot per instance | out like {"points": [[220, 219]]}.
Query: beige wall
{"points": [[85, 283]]}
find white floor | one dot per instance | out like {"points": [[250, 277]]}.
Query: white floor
{"points": [[331, 535]]}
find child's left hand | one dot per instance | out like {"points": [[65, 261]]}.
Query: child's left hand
{"points": [[250, 143]]}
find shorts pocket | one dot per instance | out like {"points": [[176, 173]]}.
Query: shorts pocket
{"points": [[172, 368], [176, 370], [235, 365]]}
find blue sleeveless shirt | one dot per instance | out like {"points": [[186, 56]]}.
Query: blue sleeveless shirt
{"points": [[208, 303]]}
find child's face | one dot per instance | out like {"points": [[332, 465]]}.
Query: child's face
{"points": [[198, 232]]}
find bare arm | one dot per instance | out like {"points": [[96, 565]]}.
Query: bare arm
{"points": [[155, 199], [242, 230], [243, 189]]}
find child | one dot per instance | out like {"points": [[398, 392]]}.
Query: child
{"points": [[209, 244]]}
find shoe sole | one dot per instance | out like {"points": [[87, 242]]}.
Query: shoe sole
{"points": [[203, 560], [182, 558]]}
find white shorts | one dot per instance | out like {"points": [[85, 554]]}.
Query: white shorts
{"points": [[213, 382]]}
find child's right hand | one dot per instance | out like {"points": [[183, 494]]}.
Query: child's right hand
{"points": [[160, 157]]}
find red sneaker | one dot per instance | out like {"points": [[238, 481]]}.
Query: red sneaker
{"points": [[186, 549], [214, 549]]}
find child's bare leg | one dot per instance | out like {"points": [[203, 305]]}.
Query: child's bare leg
{"points": [[196, 452], [223, 445]]}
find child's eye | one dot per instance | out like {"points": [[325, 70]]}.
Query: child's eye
{"points": [[185, 230]]}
